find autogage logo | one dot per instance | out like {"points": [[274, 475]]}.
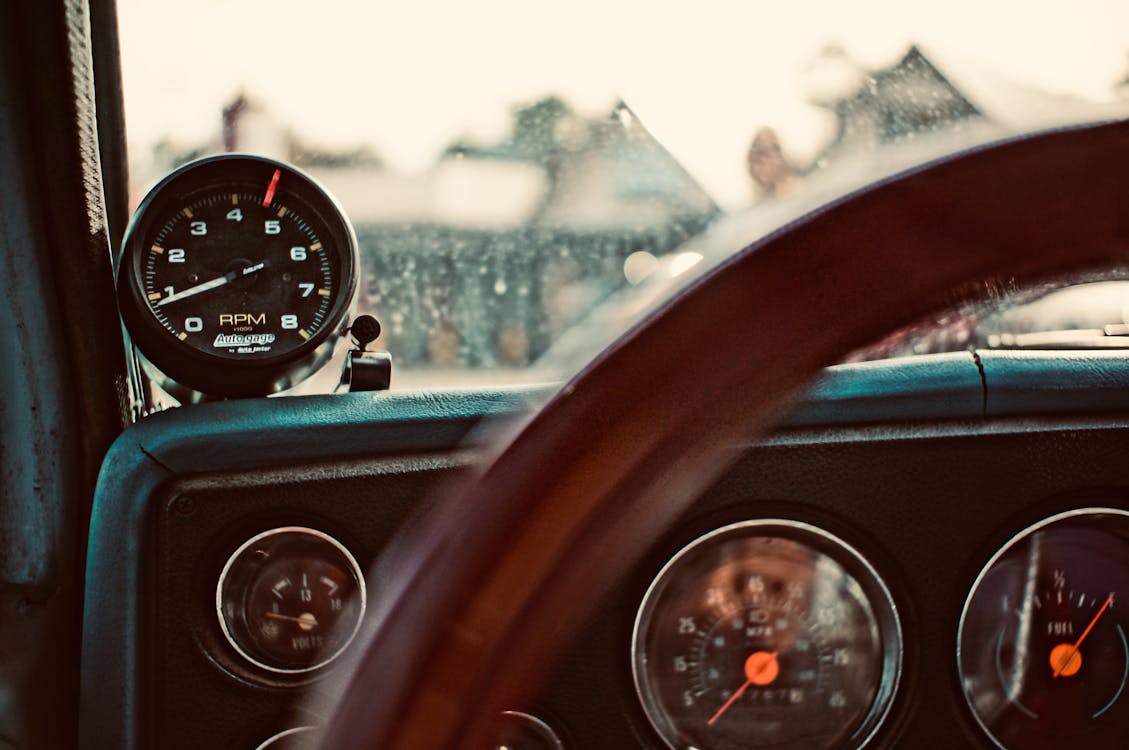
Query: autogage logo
{"points": [[228, 340]]}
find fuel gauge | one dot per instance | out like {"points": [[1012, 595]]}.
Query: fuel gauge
{"points": [[1043, 652], [290, 600]]}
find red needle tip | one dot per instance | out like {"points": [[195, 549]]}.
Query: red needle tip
{"points": [[270, 188]]}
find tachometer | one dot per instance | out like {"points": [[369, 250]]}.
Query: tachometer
{"points": [[236, 276], [1042, 648], [767, 634]]}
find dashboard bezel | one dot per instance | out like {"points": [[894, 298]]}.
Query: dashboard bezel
{"points": [[871, 484]]}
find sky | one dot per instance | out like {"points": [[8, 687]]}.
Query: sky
{"points": [[408, 78]]}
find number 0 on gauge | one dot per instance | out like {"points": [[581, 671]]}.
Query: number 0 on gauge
{"points": [[237, 275]]}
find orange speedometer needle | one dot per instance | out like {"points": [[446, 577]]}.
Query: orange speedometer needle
{"points": [[270, 188], [761, 668], [1062, 661]]}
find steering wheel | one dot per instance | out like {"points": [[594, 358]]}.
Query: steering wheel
{"points": [[486, 589]]}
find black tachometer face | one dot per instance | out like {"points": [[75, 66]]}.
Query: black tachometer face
{"points": [[233, 278], [236, 271]]}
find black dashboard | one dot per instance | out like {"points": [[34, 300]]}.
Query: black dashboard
{"points": [[926, 467]]}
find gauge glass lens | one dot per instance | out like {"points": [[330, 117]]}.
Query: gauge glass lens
{"points": [[290, 600], [237, 279], [767, 634], [1042, 646]]}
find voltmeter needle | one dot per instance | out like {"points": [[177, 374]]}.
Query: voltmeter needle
{"points": [[306, 621]]}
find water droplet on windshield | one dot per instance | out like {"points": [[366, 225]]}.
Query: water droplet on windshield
{"points": [[639, 265], [500, 286]]}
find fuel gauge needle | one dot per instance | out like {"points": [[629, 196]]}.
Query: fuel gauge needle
{"points": [[1062, 655]]}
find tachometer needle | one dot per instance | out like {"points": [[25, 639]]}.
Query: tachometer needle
{"points": [[761, 668], [1061, 657], [216, 283]]}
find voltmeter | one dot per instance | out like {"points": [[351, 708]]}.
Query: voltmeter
{"points": [[290, 600]]}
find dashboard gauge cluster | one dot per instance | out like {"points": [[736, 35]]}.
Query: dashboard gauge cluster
{"points": [[237, 276], [290, 600], [768, 633], [1043, 652], [777, 634]]}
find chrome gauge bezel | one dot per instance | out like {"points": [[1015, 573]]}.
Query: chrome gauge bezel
{"points": [[188, 372], [543, 734], [1074, 516], [854, 563], [276, 740], [233, 640]]}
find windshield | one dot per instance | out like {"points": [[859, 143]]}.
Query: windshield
{"points": [[524, 179]]}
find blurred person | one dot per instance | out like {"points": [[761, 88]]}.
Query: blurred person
{"points": [[772, 174]]}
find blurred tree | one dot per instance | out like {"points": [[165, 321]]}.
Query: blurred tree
{"points": [[534, 135]]}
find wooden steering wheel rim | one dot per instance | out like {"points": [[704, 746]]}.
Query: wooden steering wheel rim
{"points": [[489, 586]]}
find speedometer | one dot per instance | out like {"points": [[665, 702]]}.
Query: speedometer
{"points": [[236, 276], [767, 634]]}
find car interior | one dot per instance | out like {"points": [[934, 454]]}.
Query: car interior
{"points": [[706, 537]]}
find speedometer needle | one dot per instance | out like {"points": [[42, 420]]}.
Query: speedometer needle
{"points": [[215, 283], [761, 668], [1062, 662]]}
